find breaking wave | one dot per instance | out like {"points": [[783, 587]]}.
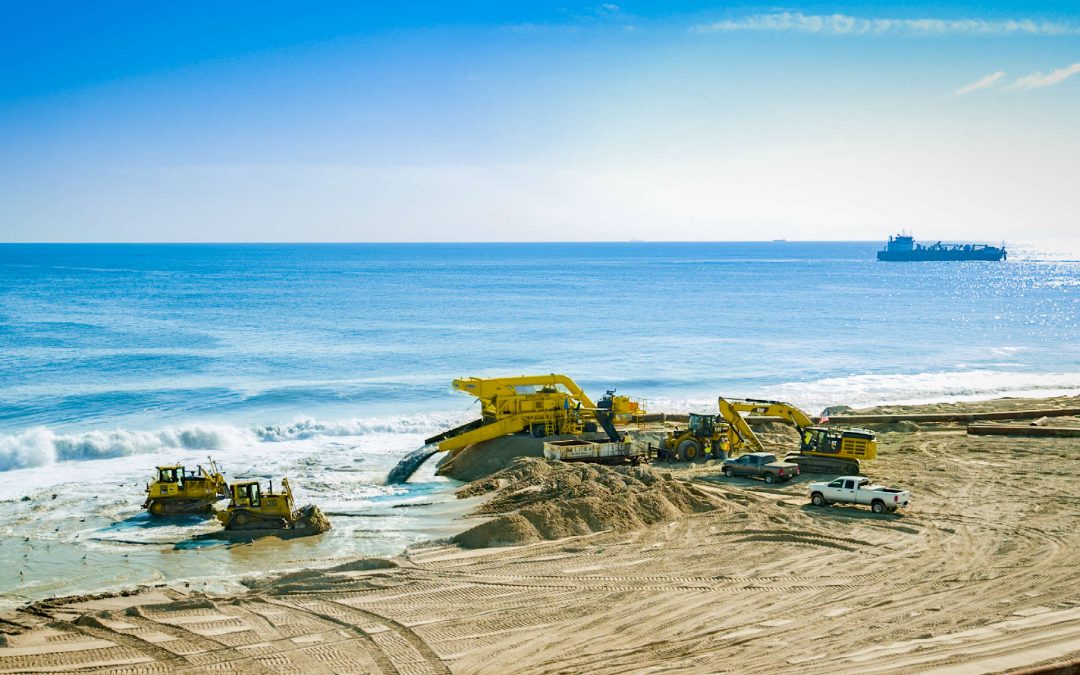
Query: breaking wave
{"points": [[41, 446], [879, 389]]}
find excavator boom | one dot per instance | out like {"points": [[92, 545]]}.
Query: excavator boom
{"points": [[821, 448]]}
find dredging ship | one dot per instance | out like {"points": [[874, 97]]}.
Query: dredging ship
{"points": [[902, 248]]}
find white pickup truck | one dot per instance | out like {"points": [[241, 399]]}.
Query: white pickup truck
{"points": [[858, 490]]}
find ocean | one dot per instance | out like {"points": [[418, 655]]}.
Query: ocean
{"points": [[327, 362]]}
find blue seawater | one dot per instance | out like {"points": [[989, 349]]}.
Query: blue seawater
{"points": [[326, 363], [140, 337]]}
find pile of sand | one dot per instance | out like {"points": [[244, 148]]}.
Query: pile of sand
{"points": [[537, 499]]}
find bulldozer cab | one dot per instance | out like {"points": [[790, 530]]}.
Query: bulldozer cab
{"points": [[702, 425], [170, 474], [246, 494]]}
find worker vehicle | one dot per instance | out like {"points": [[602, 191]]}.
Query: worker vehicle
{"points": [[858, 490], [822, 449], [762, 465], [704, 434], [178, 491], [252, 509]]}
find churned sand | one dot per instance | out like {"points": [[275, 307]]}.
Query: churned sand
{"points": [[689, 572]]}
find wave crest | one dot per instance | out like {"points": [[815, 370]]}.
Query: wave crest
{"points": [[41, 446]]}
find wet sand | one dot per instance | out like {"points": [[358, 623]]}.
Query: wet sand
{"points": [[978, 575]]}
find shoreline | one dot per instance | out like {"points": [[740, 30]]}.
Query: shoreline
{"points": [[954, 580]]}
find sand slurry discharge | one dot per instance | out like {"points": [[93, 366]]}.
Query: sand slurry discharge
{"points": [[979, 575]]}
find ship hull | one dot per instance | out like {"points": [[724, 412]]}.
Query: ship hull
{"points": [[992, 255]]}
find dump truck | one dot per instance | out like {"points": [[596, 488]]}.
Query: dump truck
{"points": [[181, 491]]}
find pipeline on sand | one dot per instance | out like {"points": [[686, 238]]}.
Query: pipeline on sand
{"points": [[408, 464]]}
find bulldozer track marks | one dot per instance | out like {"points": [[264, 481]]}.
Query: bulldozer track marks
{"points": [[978, 574]]}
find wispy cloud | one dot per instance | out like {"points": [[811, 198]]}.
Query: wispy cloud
{"points": [[1038, 80], [989, 81], [842, 24]]}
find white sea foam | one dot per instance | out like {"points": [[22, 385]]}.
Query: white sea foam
{"points": [[41, 446], [876, 389], [879, 389]]}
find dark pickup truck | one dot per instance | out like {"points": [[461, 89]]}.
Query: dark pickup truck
{"points": [[760, 465]]}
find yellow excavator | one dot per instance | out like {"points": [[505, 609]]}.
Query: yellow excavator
{"points": [[540, 405], [178, 491], [822, 449]]}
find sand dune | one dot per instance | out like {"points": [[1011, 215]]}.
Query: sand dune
{"points": [[977, 576]]}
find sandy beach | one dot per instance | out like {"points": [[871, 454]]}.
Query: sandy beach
{"points": [[978, 575]]}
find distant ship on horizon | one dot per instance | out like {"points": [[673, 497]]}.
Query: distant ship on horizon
{"points": [[902, 248]]}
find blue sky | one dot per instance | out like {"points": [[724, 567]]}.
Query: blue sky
{"points": [[276, 121]]}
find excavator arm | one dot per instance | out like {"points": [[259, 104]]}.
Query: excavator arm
{"points": [[740, 434]]}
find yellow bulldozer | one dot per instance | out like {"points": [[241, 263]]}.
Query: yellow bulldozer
{"points": [[251, 508], [822, 449], [180, 491]]}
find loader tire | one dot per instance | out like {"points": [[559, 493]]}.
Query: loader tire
{"points": [[689, 451]]}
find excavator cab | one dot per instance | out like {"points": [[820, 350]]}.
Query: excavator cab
{"points": [[820, 440]]}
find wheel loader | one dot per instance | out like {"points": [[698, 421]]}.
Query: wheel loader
{"points": [[179, 491], [252, 509], [703, 434]]}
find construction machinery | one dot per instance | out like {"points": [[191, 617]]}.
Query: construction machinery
{"points": [[822, 449], [704, 434], [252, 509], [178, 491], [542, 405]]}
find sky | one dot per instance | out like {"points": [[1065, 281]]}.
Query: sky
{"points": [[392, 121]]}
